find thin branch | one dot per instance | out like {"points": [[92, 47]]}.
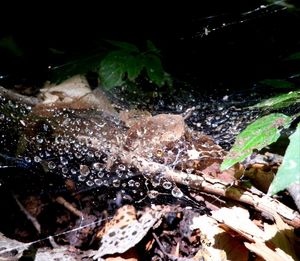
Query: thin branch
{"points": [[31, 218], [252, 197]]}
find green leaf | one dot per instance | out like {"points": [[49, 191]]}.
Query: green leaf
{"points": [[134, 66], [155, 70], [289, 171], [125, 46], [257, 135], [294, 56], [152, 48], [278, 83], [112, 70], [280, 101]]}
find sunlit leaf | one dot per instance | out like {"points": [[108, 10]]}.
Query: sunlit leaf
{"points": [[278, 83], [289, 171], [125, 46], [257, 135], [280, 101]]}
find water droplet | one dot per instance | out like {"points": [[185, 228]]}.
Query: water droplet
{"points": [[78, 155], [81, 178], [176, 192], [152, 194], [98, 182], [131, 183], [84, 170], [51, 165], [179, 107], [122, 167], [2, 116], [73, 171], [59, 139], [27, 159], [63, 160], [97, 166], [116, 183], [90, 154], [37, 159], [39, 139], [167, 184], [97, 154], [100, 174], [90, 183]]}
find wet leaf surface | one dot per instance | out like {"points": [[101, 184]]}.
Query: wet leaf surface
{"points": [[256, 136]]}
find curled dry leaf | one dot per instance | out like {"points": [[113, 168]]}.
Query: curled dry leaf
{"points": [[216, 244], [275, 242], [74, 93]]}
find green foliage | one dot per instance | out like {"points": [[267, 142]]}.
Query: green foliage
{"points": [[257, 135], [278, 83], [280, 101], [293, 56], [289, 171], [128, 63]]}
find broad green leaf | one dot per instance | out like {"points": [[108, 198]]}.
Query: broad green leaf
{"points": [[112, 69], [134, 66], [278, 83], [152, 48], [280, 101], [125, 46], [294, 56], [257, 135], [289, 171], [155, 70]]}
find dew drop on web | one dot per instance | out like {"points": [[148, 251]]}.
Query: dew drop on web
{"points": [[84, 170], [176, 192]]}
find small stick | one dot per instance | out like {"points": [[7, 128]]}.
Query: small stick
{"points": [[33, 220], [69, 206], [188, 113]]}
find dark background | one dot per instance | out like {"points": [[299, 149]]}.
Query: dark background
{"points": [[239, 53]]}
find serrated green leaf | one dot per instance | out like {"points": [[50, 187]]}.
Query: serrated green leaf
{"points": [[280, 101], [155, 70], [124, 46], [278, 83], [152, 48], [257, 135], [289, 171]]}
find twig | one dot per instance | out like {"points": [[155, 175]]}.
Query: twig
{"points": [[33, 220], [18, 97], [254, 198], [69, 206], [188, 112]]}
